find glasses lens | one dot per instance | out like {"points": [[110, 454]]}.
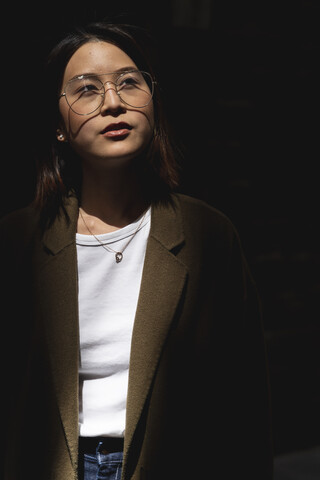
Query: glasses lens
{"points": [[135, 88], [84, 94]]}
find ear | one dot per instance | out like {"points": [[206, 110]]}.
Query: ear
{"points": [[61, 137]]}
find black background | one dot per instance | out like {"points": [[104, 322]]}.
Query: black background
{"points": [[242, 91]]}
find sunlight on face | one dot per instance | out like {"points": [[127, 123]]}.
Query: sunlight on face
{"points": [[115, 130]]}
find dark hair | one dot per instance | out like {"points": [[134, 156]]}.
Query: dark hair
{"points": [[57, 167]]}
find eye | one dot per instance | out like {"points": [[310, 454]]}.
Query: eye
{"points": [[87, 89], [84, 86], [132, 79]]}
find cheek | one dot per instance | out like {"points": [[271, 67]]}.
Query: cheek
{"points": [[146, 132], [71, 122]]}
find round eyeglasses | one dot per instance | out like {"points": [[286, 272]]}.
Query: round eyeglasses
{"points": [[85, 93]]}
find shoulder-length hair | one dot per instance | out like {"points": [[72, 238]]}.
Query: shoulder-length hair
{"points": [[58, 170]]}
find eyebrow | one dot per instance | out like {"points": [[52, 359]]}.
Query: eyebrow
{"points": [[119, 70]]}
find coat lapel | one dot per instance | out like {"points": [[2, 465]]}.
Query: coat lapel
{"points": [[57, 308], [163, 281]]}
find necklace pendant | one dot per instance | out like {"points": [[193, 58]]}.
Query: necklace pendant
{"points": [[119, 257]]}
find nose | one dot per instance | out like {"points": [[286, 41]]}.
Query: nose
{"points": [[111, 102]]}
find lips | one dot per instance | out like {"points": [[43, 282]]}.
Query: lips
{"points": [[116, 129]]}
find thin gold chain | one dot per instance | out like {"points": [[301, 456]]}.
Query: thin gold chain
{"points": [[118, 254]]}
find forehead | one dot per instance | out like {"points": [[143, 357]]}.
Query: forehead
{"points": [[97, 57]]}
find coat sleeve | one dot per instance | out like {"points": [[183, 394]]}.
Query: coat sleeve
{"points": [[17, 329], [230, 397], [243, 394], [253, 375]]}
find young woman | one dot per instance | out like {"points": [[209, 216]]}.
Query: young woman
{"points": [[137, 346]]}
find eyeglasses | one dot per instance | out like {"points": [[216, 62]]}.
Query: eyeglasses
{"points": [[85, 93]]}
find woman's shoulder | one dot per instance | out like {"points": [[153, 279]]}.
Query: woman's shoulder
{"points": [[209, 230], [19, 225], [198, 213]]}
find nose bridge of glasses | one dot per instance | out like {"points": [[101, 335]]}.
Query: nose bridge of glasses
{"points": [[110, 86], [107, 82], [109, 99]]}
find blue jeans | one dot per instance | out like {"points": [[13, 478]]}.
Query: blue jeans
{"points": [[100, 466]]}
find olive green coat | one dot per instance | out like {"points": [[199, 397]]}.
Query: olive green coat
{"points": [[197, 405]]}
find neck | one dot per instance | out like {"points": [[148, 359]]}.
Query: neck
{"points": [[113, 199]]}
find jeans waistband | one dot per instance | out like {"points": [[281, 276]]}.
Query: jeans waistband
{"points": [[107, 445]]}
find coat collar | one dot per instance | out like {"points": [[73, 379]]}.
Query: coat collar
{"points": [[163, 281], [166, 225], [62, 232]]}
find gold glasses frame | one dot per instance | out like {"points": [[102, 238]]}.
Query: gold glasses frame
{"points": [[150, 83]]}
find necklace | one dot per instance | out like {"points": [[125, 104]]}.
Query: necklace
{"points": [[118, 254]]}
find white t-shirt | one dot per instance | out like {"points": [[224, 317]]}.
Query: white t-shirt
{"points": [[108, 296]]}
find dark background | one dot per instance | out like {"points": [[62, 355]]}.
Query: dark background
{"points": [[242, 90]]}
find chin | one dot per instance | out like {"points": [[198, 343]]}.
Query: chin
{"points": [[111, 161], [124, 155], [116, 155]]}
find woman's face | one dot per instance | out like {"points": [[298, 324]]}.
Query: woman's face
{"points": [[116, 132]]}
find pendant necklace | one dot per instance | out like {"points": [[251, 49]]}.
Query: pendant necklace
{"points": [[118, 254]]}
